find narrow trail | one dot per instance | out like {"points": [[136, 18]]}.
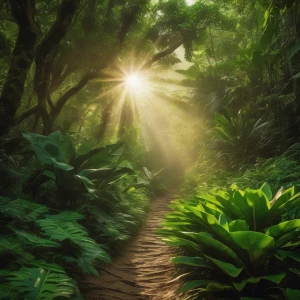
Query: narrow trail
{"points": [[143, 271]]}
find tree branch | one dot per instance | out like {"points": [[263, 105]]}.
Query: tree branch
{"points": [[71, 92], [27, 113], [156, 57]]}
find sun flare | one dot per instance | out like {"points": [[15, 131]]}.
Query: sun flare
{"points": [[133, 80]]}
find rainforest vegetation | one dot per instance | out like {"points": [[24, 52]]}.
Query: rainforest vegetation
{"points": [[106, 104]]}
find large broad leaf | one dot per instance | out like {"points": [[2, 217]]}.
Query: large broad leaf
{"points": [[292, 254], [96, 173], [285, 232], [192, 261], [227, 268], [41, 284], [260, 205], [190, 285], [256, 244], [211, 224], [238, 225], [226, 202], [283, 228], [99, 157], [218, 287], [266, 189], [213, 248], [254, 204], [277, 278], [47, 149], [281, 200], [292, 294], [244, 206], [289, 240]]}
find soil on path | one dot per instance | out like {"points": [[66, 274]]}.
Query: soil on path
{"points": [[143, 271]]}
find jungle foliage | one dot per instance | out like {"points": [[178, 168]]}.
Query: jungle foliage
{"points": [[75, 185], [239, 244], [59, 217], [245, 93]]}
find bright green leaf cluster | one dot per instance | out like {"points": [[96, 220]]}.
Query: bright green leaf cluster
{"points": [[239, 243]]}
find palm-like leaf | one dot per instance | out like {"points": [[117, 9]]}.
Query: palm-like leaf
{"points": [[42, 284]]}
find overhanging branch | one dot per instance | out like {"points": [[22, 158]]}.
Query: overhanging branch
{"points": [[156, 57]]}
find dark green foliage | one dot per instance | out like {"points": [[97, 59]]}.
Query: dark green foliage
{"points": [[57, 237], [241, 139]]}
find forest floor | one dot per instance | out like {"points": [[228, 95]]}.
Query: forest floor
{"points": [[143, 270]]}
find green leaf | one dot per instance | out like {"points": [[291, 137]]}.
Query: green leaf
{"points": [[227, 268], [214, 248], [238, 225], [283, 228], [217, 287], [66, 216], [292, 294], [285, 196], [190, 285], [59, 230], [277, 278], [46, 147], [266, 189], [22, 209], [294, 255], [295, 47], [35, 240], [256, 244], [192, 261], [259, 204], [38, 283], [60, 165], [211, 224]]}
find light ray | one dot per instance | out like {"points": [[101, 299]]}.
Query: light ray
{"points": [[150, 101]]}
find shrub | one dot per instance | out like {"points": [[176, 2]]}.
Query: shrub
{"points": [[238, 244]]}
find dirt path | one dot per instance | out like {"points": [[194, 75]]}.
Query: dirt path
{"points": [[144, 271]]}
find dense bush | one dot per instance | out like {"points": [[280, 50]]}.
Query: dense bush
{"points": [[67, 212]]}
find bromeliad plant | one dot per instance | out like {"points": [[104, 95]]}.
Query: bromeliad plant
{"points": [[238, 244]]}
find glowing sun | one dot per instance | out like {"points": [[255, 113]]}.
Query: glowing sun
{"points": [[133, 80]]}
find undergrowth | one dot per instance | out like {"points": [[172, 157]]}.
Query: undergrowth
{"points": [[63, 214]]}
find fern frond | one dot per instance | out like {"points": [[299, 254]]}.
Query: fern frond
{"points": [[68, 216], [22, 209], [33, 240], [90, 251], [11, 244], [42, 284]]}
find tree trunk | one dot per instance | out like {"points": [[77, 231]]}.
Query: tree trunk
{"points": [[45, 55], [22, 56]]}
